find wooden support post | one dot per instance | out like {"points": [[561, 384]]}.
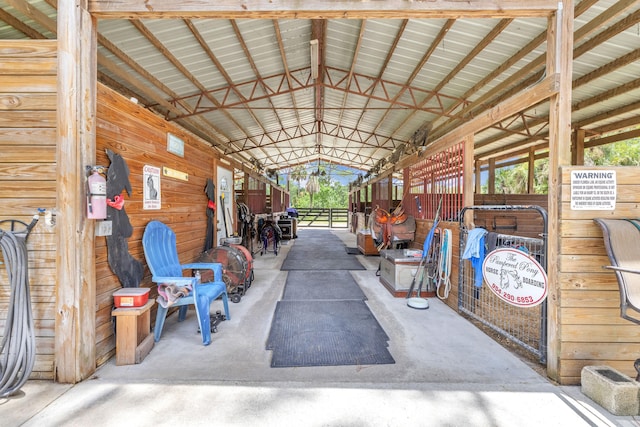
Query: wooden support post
{"points": [[245, 187], [531, 177], [467, 184], [478, 177], [491, 184], [577, 149], [75, 338], [559, 62], [367, 195]]}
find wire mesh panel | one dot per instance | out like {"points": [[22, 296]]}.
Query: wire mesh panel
{"points": [[524, 326]]}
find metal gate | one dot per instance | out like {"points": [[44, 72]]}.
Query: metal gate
{"points": [[524, 326]]}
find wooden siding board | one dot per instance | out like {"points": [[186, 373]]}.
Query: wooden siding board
{"points": [[588, 281], [28, 155], [29, 49], [580, 228], [623, 210], [28, 101], [28, 137], [579, 246], [627, 333], [577, 263], [24, 172], [23, 119], [33, 66], [600, 351], [590, 299], [36, 189], [28, 83], [609, 315]]}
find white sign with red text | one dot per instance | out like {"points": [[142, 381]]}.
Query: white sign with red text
{"points": [[515, 277]]}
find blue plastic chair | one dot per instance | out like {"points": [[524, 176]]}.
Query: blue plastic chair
{"points": [[159, 243]]}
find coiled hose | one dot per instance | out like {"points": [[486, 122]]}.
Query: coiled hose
{"points": [[18, 347]]}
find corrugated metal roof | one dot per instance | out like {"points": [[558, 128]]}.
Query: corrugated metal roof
{"points": [[248, 83]]}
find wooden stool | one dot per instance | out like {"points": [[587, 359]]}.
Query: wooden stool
{"points": [[134, 339]]}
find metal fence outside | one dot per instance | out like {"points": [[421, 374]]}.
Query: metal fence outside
{"points": [[524, 326]]}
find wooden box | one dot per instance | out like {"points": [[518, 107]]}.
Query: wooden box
{"points": [[365, 243]]}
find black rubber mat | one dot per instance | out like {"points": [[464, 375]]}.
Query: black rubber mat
{"points": [[319, 250], [326, 333], [319, 261], [352, 251], [321, 285]]}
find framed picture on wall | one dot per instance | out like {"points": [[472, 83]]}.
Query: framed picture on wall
{"points": [[175, 145]]}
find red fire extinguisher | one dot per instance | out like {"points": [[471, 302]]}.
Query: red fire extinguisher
{"points": [[96, 195]]}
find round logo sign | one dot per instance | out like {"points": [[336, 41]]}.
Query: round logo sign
{"points": [[515, 277]]}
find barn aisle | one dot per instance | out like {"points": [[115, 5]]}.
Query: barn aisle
{"points": [[323, 319], [447, 372]]}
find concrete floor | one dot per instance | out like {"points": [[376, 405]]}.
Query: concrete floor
{"points": [[447, 373]]}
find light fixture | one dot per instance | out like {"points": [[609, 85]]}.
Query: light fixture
{"points": [[313, 49]]}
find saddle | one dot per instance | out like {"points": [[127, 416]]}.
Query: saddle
{"points": [[391, 228]]}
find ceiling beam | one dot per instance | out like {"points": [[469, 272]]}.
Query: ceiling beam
{"points": [[593, 142], [329, 129], [316, 9], [285, 66], [319, 35], [20, 26], [337, 79]]}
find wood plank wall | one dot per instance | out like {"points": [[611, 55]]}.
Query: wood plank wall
{"points": [[141, 138], [28, 70], [590, 329]]}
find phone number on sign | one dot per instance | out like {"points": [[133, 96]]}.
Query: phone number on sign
{"points": [[526, 300]]}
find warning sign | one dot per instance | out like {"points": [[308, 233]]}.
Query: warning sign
{"points": [[593, 190]]}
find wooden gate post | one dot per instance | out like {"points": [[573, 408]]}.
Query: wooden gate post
{"points": [[559, 63], [75, 350]]}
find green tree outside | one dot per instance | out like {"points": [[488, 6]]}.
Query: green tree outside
{"points": [[513, 180], [330, 194]]}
